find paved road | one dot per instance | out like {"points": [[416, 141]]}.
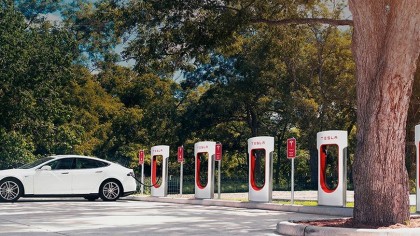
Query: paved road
{"points": [[80, 217]]}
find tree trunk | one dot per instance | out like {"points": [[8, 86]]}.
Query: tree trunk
{"points": [[386, 45]]}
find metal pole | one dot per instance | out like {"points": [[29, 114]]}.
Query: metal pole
{"points": [[218, 180], [293, 180], [142, 179], [181, 178]]}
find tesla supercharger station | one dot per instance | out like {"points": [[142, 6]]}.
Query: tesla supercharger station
{"points": [[417, 140], [159, 188], [260, 153], [204, 169], [332, 167]]}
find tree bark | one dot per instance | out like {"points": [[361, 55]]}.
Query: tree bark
{"points": [[386, 46]]}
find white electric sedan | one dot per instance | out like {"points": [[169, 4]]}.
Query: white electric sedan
{"points": [[67, 176]]}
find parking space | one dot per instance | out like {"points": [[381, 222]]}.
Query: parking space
{"points": [[81, 217]]}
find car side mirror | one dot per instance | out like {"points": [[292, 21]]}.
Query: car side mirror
{"points": [[46, 167]]}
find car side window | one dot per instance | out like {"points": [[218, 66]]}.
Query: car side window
{"points": [[84, 163], [62, 164]]}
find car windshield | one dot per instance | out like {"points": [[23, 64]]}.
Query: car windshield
{"points": [[35, 163]]}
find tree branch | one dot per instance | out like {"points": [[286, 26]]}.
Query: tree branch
{"points": [[304, 21], [223, 7]]}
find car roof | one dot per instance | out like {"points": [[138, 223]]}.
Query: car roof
{"points": [[77, 156]]}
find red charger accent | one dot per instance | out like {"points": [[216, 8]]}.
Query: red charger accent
{"points": [[197, 175], [253, 184], [323, 170], [154, 166]]}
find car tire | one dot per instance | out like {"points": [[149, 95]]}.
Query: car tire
{"points": [[10, 190], [91, 199], [110, 190]]}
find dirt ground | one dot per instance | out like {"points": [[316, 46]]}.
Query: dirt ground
{"points": [[349, 223]]}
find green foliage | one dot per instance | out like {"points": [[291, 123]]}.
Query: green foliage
{"points": [[125, 131], [166, 36], [96, 33], [156, 98], [240, 78], [15, 149], [34, 9], [93, 109], [35, 66]]}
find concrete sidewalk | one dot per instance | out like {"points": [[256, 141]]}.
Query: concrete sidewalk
{"points": [[309, 195], [285, 195], [232, 201], [280, 196], [240, 200], [277, 196]]}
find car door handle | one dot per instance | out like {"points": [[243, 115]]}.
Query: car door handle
{"points": [[65, 173], [99, 171]]}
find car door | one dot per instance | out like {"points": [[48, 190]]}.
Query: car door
{"points": [[88, 175], [54, 181]]}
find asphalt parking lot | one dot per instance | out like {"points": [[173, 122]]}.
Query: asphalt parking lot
{"points": [[126, 217]]}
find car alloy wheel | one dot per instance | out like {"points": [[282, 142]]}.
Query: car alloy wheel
{"points": [[110, 191], [9, 190]]}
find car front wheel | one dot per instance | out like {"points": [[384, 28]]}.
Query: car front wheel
{"points": [[110, 190], [10, 190]]}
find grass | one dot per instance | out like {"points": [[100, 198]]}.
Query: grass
{"points": [[300, 203], [307, 203], [233, 199]]}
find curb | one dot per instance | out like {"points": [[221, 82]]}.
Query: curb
{"points": [[321, 210], [292, 229]]}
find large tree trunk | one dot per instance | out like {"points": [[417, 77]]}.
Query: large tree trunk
{"points": [[386, 45]]}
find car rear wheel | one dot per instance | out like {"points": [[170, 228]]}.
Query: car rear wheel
{"points": [[10, 190], [110, 190]]}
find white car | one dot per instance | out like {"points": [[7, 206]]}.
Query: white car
{"points": [[67, 176]]}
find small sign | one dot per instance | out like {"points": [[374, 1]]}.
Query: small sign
{"points": [[218, 156], [291, 148], [180, 154], [141, 157]]}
